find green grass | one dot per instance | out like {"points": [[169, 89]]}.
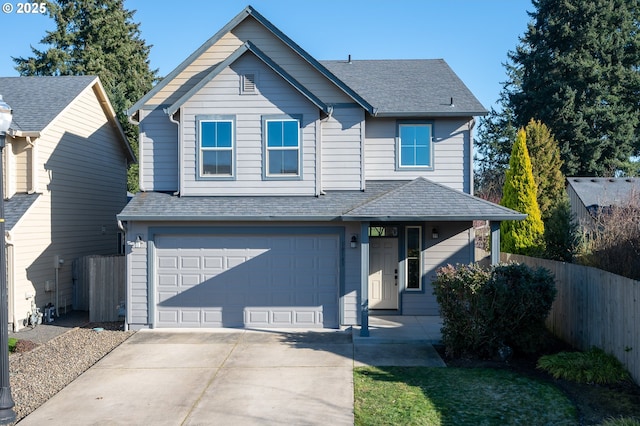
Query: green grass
{"points": [[623, 421], [456, 396], [593, 366]]}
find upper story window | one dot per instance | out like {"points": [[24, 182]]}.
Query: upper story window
{"points": [[282, 147], [414, 146], [216, 146]]}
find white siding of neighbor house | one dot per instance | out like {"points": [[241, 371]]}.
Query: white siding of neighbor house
{"points": [[342, 136], [82, 176], [454, 245], [275, 96], [17, 167], [158, 152], [138, 268], [451, 153], [250, 30]]}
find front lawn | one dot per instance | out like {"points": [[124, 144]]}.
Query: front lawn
{"points": [[456, 396]]}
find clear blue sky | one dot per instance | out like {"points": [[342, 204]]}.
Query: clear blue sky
{"points": [[473, 36]]}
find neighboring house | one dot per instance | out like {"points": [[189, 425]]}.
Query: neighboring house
{"points": [[590, 196], [65, 175], [281, 191]]}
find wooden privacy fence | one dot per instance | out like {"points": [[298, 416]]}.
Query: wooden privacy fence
{"points": [[100, 286], [594, 308]]}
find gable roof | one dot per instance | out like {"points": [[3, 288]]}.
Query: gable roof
{"points": [[390, 88], [248, 47], [605, 192], [38, 101], [382, 200], [247, 12], [408, 87]]}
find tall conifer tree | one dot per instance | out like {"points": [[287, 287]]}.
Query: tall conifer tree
{"points": [[97, 37], [576, 70]]}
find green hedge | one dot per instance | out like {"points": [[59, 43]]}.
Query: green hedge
{"points": [[485, 310]]}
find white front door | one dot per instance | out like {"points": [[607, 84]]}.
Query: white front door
{"points": [[383, 273]]}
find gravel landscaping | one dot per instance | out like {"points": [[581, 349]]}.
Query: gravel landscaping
{"points": [[40, 373]]}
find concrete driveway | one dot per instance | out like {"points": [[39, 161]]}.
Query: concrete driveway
{"points": [[224, 377]]}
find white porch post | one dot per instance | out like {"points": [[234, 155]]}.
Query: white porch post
{"points": [[495, 242], [364, 279]]}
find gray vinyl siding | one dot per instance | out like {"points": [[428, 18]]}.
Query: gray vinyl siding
{"points": [[451, 153], [138, 268], [578, 210], [455, 245], [342, 136], [82, 177], [274, 97], [251, 30], [158, 156]]}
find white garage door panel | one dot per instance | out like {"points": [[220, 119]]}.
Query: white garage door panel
{"points": [[247, 281]]}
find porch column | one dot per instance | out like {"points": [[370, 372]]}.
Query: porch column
{"points": [[364, 279], [495, 242]]}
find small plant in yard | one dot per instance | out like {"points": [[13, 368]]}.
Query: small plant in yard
{"points": [[593, 366], [12, 344]]}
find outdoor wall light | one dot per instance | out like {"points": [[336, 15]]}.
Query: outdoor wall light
{"points": [[434, 233], [354, 241]]}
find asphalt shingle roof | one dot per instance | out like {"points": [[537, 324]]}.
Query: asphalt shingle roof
{"points": [[408, 87], [382, 200], [16, 207], [605, 192], [36, 101]]}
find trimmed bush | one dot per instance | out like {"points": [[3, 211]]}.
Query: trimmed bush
{"points": [[485, 311]]}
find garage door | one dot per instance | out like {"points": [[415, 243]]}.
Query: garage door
{"points": [[247, 281]]}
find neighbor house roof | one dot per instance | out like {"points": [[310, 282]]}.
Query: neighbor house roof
{"points": [[408, 87], [334, 206], [38, 101], [16, 207], [605, 191]]}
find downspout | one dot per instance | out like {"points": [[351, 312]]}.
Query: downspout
{"points": [[319, 139], [177, 123], [34, 168], [471, 125], [8, 240]]}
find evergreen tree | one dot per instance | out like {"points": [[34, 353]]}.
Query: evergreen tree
{"points": [[97, 37], [576, 70], [561, 233], [546, 163], [520, 194]]}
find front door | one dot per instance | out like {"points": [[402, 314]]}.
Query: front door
{"points": [[383, 273]]}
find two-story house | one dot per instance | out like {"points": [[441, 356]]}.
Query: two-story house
{"points": [[283, 191], [65, 179]]}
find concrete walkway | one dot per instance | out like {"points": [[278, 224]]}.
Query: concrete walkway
{"points": [[235, 377]]}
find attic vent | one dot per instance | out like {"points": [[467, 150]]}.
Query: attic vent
{"points": [[249, 83]]}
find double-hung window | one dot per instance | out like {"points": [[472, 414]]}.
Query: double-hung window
{"points": [[282, 147], [414, 146], [215, 147]]}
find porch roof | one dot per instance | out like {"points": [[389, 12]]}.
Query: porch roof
{"points": [[419, 199]]}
